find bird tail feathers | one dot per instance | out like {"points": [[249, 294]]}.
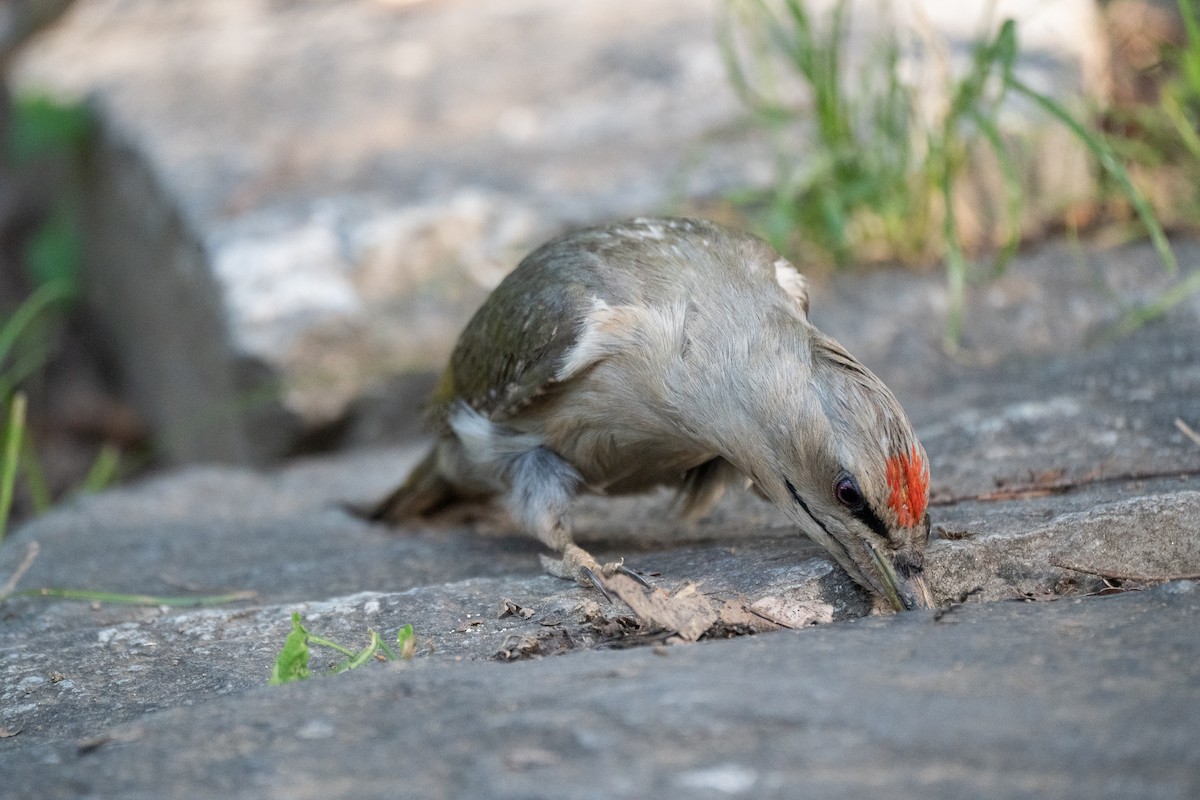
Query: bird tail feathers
{"points": [[423, 494]]}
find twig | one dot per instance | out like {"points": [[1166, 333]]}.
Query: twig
{"points": [[1060, 487], [1027, 492], [1124, 576], [1187, 431], [26, 563]]}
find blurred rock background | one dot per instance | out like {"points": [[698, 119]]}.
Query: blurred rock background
{"points": [[272, 218]]}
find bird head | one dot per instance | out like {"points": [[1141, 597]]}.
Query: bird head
{"points": [[848, 469]]}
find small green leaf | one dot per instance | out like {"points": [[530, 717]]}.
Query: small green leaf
{"points": [[292, 662], [405, 642]]}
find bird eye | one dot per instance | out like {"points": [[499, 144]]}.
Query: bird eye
{"points": [[847, 493]]}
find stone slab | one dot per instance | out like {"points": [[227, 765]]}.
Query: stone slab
{"points": [[1091, 699], [1016, 516], [347, 577]]}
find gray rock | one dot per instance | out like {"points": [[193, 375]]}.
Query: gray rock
{"points": [[1056, 299], [1079, 699], [1018, 514], [290, 203]]}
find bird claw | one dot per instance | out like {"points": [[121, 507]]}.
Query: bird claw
{"points": [[624, 570], [580, 566], [597, 584], [612, 569]]}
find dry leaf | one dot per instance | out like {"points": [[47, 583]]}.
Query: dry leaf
{"points": [[687, 612], [509, 608]]}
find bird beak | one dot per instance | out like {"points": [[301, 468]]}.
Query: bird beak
{"points": [[905, 594]]}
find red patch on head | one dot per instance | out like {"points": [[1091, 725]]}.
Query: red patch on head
{"points": [[909, 482]]}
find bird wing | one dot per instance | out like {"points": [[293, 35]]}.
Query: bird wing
{"points": [[568, 304], [510, 352]]}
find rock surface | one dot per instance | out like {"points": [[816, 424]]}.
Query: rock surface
{"points": [[1060, 473], [290, 202], [1082, 699], [283, 191]]}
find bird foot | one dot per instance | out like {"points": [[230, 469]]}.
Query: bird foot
{"points": [[579, 565]]}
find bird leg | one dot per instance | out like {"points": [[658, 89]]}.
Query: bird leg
{"points": [[578, 564], [542, 486]]}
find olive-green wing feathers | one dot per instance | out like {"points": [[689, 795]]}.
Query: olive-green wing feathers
{"points": [[511, 350]]}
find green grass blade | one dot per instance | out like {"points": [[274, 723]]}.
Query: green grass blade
{"points": [[387, 650], [41, 299], [361, 657], [332, 645], [14, 432], [768, 111], [956, 261], [1013, 195], [1164, 303], [1174, 112], [1109, 162], [30, 360], [35, 477], [801, 44], [1003, 51], [103, 472], [119, 598], [1189, 58]]}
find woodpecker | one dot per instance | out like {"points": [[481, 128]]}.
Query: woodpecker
{"points": [[672, 352]]}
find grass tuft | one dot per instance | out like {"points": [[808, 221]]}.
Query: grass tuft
{"points": [[861, 177]]}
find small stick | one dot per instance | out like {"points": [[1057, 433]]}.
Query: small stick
{"points": [[26, 563], [1125, 576], [1060, 487], [1187, 431], [1025, 492]]}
